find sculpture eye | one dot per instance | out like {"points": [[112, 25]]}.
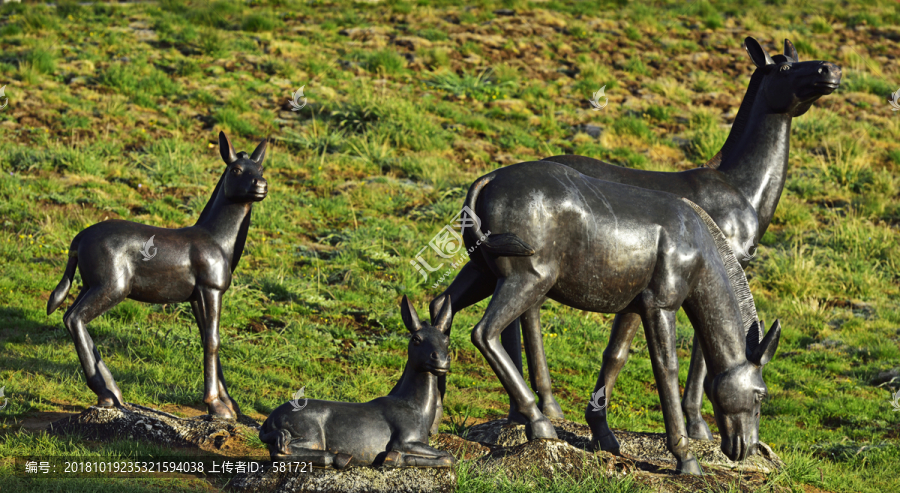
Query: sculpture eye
{"points": [[416, 341], [236, 171]]}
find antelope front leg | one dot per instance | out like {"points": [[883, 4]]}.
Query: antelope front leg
{"points": [[693, 395], [659, 328], [417, 454], [210, 303], [224, 396]]}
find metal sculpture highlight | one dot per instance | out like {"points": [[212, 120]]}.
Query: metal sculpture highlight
{"points": [[613, 248], [122, 259], [740, 195], [390, 430]]}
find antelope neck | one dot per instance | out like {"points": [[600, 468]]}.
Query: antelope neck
{"points": [[755, 156]]}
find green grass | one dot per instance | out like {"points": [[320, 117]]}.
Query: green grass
{"points": [[102, 124]]}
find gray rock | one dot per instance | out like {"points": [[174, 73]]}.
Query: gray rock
{"points": [[140, 423], [548, 458], [352, 480], [643, 447], [592, 130], [885, 376]]}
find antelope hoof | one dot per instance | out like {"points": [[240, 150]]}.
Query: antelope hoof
{"points": [[688, 466], [607, 443], [393, 459], [106, 401], [218, 409], [698, 430], [341, 461], [282, 443], [551, 409], [231, 405], [541, 428]]}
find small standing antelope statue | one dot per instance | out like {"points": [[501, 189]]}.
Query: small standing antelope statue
{"points": [[118, 260], [390, 430]]}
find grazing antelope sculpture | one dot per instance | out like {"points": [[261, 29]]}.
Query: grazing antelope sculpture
{"points": [[390, 430], [117, 260], [613, 248], [749, 170]]}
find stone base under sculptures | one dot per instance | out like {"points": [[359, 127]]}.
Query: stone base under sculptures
{"points": [[136, 422], [495, 448], [500, 448]]}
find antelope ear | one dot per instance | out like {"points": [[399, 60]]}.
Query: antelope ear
{"points": [[754, 336], [226, 150], [445, 316], [790, 51], [410, 317], [757, 53], [766, 349], [260, 153]]}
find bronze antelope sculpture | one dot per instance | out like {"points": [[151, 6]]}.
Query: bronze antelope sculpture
{"points": [[390, 430], [613, 248], [739, 188], [117, 260]]}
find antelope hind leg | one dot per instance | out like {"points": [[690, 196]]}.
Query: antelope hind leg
{"points": [[91, 303], [512, 297], [470, 286], [624, 328], [538, 370], [319, 458]]}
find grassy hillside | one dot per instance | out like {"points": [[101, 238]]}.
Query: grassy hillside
{"points": [[113, 111]]}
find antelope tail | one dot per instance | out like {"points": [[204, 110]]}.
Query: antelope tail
{"points": [[499, 244], [62, 289]]}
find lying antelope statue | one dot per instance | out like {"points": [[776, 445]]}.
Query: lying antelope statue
{"points": [[117, 260], [390, 430], [612, 248], [740, 188]]}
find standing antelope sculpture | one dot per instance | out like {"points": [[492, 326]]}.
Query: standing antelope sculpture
{"points": [[739, 188], [193, 264], [612, 248]]}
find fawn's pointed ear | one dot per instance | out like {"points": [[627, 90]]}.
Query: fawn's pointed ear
{"points": [[790, 51], [757, 53], [260, 153], [444, 319], [410, 317], [766, 349], [226, 150]]}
